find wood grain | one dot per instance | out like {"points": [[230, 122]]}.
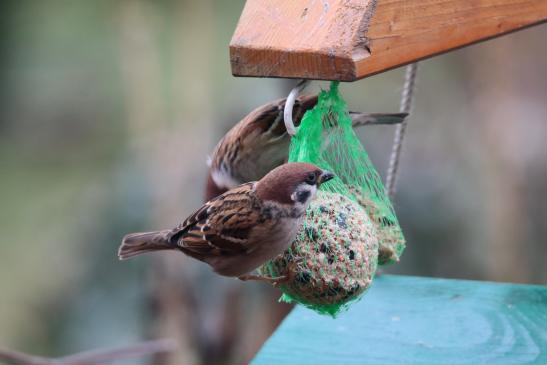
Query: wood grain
{"points": [[349, 39], [410, 320], [298, 38]]}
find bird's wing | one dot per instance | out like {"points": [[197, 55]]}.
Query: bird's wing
{"points": [[220, 227], [254, 146], [241, 136], [270, 117]]}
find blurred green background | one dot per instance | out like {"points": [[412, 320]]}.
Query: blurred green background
{"points": [[109, 109]]}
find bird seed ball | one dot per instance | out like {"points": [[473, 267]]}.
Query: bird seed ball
{"points": [[334, 256], [390, 236]]}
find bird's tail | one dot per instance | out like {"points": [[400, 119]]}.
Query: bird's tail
{"points": [[361, 119], [135, 244]]}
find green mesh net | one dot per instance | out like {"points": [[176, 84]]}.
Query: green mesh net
{"points": [[349, 228]]}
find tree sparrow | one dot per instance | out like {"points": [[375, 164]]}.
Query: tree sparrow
{"points": [[259, 143], [238, 231]]}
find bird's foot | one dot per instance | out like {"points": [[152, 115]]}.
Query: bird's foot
{"points": [[292, 268], [275, 281]]}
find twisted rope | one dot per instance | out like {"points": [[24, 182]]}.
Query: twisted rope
{"points": [[405, 107]]}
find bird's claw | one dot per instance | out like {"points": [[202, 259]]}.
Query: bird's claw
{"points": [[292, 266], [277, 280], [274, 281]]}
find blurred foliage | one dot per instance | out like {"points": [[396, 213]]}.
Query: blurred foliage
{"points": [[90, 87]]}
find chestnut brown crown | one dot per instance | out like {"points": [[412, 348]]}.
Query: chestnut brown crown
{"points": [[283, 182]]}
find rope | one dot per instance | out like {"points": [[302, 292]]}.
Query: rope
{"points": [[405, 107]]}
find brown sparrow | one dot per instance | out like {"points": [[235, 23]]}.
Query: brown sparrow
{"points": [[259, 143], [238, 231]]}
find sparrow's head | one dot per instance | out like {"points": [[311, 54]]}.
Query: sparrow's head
{"points": [[292, 184]]}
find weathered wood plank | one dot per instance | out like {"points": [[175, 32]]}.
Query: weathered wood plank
{"points": [[350, 39], [292, 38], [410, 320]]}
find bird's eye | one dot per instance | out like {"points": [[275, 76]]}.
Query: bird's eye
{"points": [[311, 178]]}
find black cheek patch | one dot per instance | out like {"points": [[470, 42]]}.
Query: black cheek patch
{"points": [[302, 196]]}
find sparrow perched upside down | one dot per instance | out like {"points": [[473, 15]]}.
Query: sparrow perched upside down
{"points": [[259, 143], [238, 231]]}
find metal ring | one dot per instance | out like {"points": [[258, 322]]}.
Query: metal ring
{"points": [[289, 104]]}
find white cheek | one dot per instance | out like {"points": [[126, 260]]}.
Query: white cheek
{"points": [[313, 191]]}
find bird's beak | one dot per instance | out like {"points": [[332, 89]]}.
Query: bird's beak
{"points": [[325, 176]]}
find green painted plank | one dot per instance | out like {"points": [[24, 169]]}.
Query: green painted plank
{"points": [[411, 320]]}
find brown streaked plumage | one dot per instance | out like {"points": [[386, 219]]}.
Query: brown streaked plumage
{"points": [[241, 229], [259, 143]]}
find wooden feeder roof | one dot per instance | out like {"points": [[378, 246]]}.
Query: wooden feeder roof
{"points": [[350, 39]]}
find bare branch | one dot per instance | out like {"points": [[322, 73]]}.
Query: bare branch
{"points": [[19, 358], [93, 357]]}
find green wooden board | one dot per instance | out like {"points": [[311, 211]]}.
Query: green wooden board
{"points": [[411, 320]]}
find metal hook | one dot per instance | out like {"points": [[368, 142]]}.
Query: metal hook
{"points": [[289, 104]]}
